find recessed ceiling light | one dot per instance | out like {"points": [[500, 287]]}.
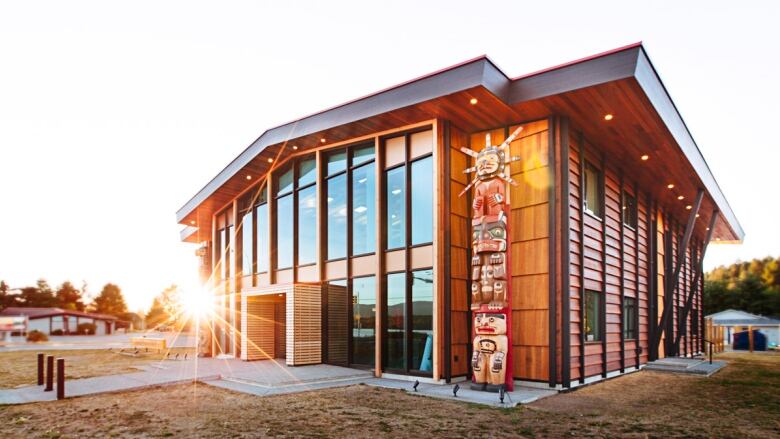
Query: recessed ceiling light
{"points": [[689, 207], [270, 160], [697, 215], [670, 186], [192, 222], [323, 140], [473, 101], [295, 147], [645, 157], [708, 228], [717, 239], [608, 116], [248, 177], [680, 197]]}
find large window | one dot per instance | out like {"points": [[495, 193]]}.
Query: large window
{"points": [[225, 254], [409, 196], [629, 210], [261, 221], [594, 190], [363, 320], [307, 212], [337, 205], [363, 201], [284, 219], [247, 237], [409, 314], [594, 316], [630, 312], [396, 321]]}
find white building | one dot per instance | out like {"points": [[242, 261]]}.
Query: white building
{"points": [[735, 321], [48, 320]]}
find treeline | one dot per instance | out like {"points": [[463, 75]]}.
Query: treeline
{"points": [[752, 286]]}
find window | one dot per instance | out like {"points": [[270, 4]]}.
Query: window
{"points": [[594, 191], [363, 320], [261, 217], [336, 181], [284, 220], [630, 312], [396, 321], [422, 320], [629, 210], [225, 250], [306, 192], [363, 201], [247, 237], [396, 208], [422, 201], [593, 316]]}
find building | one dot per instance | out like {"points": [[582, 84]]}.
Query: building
{"points": [[341, 237], [48, 320], [734, 321]]}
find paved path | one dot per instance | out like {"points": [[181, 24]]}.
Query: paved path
{"points": [[261, 378], [70, 342]]}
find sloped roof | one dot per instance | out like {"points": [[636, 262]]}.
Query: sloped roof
{"points": [[38, 313]]}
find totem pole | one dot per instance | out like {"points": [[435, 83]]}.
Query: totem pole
{"points": [[490, 277]]}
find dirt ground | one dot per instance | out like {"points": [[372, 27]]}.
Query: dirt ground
{"points": [[741, 401], [20, 368]]}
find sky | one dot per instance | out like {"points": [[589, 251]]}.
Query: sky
{"points": [[113, 114]]}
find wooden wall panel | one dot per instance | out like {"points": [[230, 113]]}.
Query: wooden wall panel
{"points": [[304, 325]]}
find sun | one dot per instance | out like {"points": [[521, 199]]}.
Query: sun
{"points": [[196, 303]]}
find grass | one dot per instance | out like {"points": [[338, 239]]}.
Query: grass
{"points": [[20, 368], [640, 405]]}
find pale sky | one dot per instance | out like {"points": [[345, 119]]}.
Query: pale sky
{"points": [[113, 114]]}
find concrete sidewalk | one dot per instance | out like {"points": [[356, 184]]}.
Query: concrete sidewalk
{"points": [[260, 378]]}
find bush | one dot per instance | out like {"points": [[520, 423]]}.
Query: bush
{"points": [[86, 329], [35, 336], [57, 332]]}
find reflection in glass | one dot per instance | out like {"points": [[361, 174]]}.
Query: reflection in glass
{"points": [[363, 211], [363, 320], [362, 155], [284, 232], [307, 225], [307, 172], [337, 217], [396, 321], [261, 212], [422, 320], [422, 201], [284, 183], [396, 208], [337, 162], [247, 243]]}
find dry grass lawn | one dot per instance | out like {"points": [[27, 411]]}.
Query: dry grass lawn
{"points": [[20, 368], [741, 401]]}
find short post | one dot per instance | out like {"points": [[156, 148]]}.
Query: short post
{"points": [[60, 378], [710, 352], [750, 338], [40, 369], [49, 374]]}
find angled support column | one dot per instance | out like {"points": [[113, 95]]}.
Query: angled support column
{"points": [[698, 275], [674, 281]]}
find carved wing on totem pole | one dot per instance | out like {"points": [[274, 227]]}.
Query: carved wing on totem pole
{"points": [[490, 275]]}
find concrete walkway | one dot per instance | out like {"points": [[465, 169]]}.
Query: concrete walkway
{"points": [[261, 378]]}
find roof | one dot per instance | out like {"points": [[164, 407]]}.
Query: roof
{"points": [[39, 313], [761, 321], [735, 317], [733, 313], [628, 62]]}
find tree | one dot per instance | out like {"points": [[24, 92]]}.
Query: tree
{"points": [[39, 296], [156, 315], [166, 309], [6, 298], [752, 286], [110, 301], [68, 297]]}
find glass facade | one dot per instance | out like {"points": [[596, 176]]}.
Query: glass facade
{"points": [[261, 253], [363, 320], [247, 240], [396, 208], [395, 335], [422, 201], [337, 217], [284, 232], [422, 320], [307, 225], [363, 210]]}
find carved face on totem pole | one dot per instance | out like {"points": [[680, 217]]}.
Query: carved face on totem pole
{"points": [[490, 324]]}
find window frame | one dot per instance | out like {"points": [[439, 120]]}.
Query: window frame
{"points": [[599, 335], [630, 328], [631, 209], [600, 196], [296, 206]]}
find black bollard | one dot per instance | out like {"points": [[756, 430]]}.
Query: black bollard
{"points": [[49, 374], [60, 378], [40, 369]]}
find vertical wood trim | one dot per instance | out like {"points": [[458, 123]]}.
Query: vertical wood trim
{"points": [[565, 241], [651, 219], [438, 249], [603, 186], [235, 281], [621, 222], [271, 229], [637, 346], [552, 205], [321, 206], [379, 167], [444, 249], [581, 152], [213, 283]]}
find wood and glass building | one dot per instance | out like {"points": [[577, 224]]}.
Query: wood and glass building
{"points": [[340, 238]]}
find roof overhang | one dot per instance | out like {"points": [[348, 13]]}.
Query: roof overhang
{"points": [[620, 80]]}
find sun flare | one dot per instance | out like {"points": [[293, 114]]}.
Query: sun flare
{"points": [[197, 303]]}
